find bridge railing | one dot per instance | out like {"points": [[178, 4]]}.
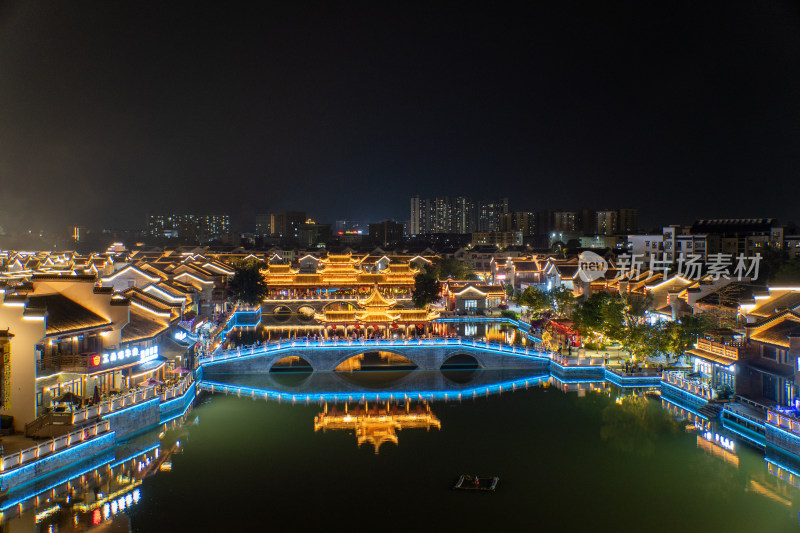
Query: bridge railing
{"points": [[114, 404], [284, 344], [51, 446], [564, 360]]}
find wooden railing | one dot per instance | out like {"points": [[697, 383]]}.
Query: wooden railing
{"points": [[57, 444], [694, 387], [731, 352]]}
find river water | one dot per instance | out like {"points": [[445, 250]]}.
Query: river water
{"points": [[596, 459]]}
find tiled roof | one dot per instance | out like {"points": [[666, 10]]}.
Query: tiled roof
{"points": [[140, 328], [66, 316]]}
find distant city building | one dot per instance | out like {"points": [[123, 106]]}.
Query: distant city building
{"points": [[189, 228], [524, 222], [262, 225], [565, 221], [740, 235], [454, 215], [385, 232], [78, 233], [503, 239], [344, 226], [627, 221], [463, 215], [312, 234], [286, 224], [490, 214], [606, 222]]}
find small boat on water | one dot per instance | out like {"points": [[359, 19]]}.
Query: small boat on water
{"points": [[467, 482]]}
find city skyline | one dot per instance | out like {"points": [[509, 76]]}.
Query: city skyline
{"points": [[537, 103]]}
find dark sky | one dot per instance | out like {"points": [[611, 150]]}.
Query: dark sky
{"points": [[110, 110]]}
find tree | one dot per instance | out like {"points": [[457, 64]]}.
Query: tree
{"points": [[685, 330], [248, 284], [450, 267], [426, 289], [590, 315], [536, 299], [562, 299]]}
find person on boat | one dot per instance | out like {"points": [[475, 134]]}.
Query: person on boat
{"points": [[475, 480]]}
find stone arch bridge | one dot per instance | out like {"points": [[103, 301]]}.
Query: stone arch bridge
{"points": [[325, 356]]}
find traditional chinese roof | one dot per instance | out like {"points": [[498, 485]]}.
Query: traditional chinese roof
{"points": [[777, 330], [376, 299], [140, 327], [778, 300], [65, 316]]}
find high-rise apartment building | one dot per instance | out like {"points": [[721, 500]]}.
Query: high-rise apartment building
{"points": [[441, 215], [286, 224], [385, 232], [524, 222], [189, 228], [627, 220], [606, 222], [490, 214], [262, 225], [455, 215], [463, 215], [565, 221]]}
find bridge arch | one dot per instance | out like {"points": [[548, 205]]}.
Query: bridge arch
{"points": [[282, 313], [305, 312], [339, 305], [291, 363], [461, 361], [374, 359]]}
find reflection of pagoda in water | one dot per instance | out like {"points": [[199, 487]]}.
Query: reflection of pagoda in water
{"points": [[377, 424]]}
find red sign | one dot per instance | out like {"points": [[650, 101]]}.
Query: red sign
{"points": [[96, 359]]}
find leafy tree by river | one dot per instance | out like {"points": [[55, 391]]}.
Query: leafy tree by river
{"points": [[426, 289], [248, 284], [623, 318]]}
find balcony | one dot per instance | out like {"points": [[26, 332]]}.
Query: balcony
{"points": [[729, 351], [65, 363]]}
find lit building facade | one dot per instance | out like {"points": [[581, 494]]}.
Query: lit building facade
{"points": [[189, 228], [314, 276]]}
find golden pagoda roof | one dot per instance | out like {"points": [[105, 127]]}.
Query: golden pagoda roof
{"points": [[339, 258], [376, 316], [376, 299], [281, 269]]}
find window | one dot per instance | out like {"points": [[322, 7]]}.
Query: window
{"points": [[470, 304]]}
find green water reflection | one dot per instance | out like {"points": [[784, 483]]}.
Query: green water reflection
{"points": [[592, 461]]}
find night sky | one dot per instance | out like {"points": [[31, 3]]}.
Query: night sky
{"points": [[111, 110]]}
